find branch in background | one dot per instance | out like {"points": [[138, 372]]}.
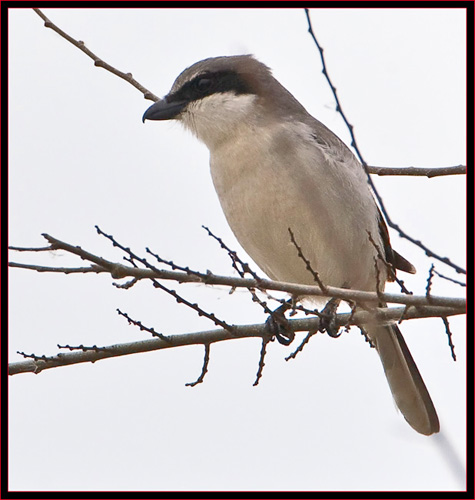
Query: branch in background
{"points": [[118, 271], [359, 318], [339, 109], [419, 171], [97, 60]]}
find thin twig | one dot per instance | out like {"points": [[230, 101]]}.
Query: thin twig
{"points": [[142, 327], [36, 358], [429, 281], [304, 342], [194, 306], [82, 348], [245, 268], [457, 282], [308, 264], [204, 369], [97, 60], [172, 264], [449, 337], [390, 268], [265, 341]]}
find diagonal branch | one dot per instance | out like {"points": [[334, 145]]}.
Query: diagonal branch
{"points": [[97, 60]]}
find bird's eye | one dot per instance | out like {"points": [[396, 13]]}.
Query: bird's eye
{"points": [[203, 84]]}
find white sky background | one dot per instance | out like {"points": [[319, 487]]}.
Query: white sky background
{"points": [[81, 156]]}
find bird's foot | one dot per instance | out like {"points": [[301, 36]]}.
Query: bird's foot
{"points": [[278, 325], [328, 319]]}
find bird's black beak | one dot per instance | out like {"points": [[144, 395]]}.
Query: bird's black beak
{"points": [[164, 110]]}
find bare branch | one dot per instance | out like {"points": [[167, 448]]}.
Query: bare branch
{"points": [[36, 358], [171, 264], [307, 263], [118, 271], [245, 268], [339, 109], [418, 171], [194, 306], [265, 341], [142, 327], [302, 344], [359, 318], [390, 268], [81, 347], [429, 281], [97, 60], [450, 279], [449, 337]]}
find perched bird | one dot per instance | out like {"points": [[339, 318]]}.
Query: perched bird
{"points": [[276, 168]]}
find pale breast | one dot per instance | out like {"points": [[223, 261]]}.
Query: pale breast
{"points": [[267, 185]]}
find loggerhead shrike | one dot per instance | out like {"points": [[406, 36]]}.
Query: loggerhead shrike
{"points": [[276, 168]]}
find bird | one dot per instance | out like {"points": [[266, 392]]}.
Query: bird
{"points": [[276, 168]]}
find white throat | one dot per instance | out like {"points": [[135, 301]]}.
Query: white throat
{"points": [[217, 118]]}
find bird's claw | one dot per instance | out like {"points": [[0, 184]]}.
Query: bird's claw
{"points": [[278, 326], [328, 319]]}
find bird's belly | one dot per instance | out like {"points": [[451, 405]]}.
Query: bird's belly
{"points": [[261, 209]]}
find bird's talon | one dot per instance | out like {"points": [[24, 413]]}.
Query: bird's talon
{"points": [[327, 321], [278, 326]]}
